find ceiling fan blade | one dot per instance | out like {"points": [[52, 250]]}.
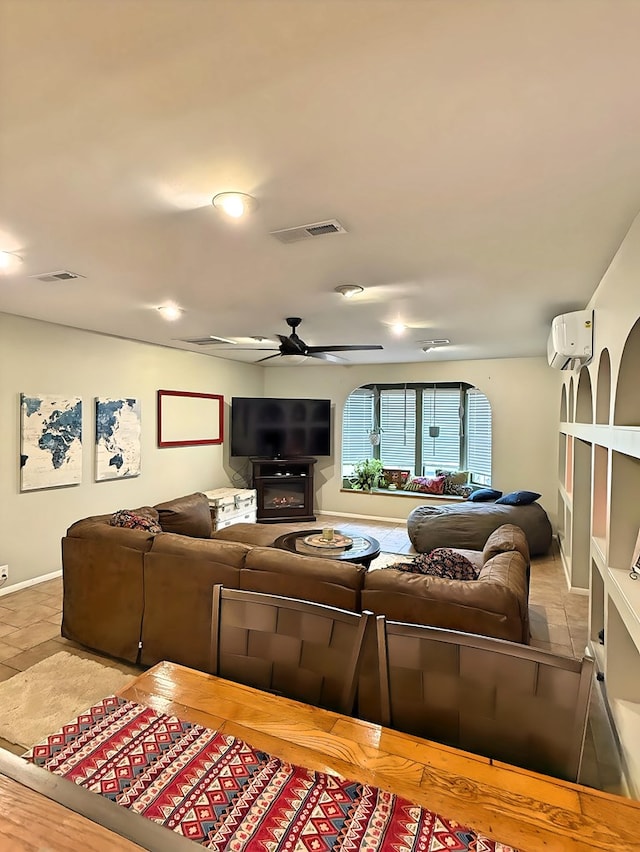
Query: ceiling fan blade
{"points": [[268, 358], [336, 359], [312, 349], [248, 348]]}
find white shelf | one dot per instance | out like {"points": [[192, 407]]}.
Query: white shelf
{"points": [[625, 593], [598, 551], [623, 439], [626, 717], [626, 439]]}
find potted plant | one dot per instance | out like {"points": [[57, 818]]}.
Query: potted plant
{"points": [[367, 474]]}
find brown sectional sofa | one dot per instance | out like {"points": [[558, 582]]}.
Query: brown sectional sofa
{"points": [[146, 597]]}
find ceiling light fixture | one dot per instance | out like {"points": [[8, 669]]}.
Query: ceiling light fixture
{"points": [[292, 360], [8, 260], [170, 312], [349, 290], [437, 341], [234, 204], [398, 328]]}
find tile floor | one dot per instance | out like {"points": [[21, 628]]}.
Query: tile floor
{"points": [[30, 632]]}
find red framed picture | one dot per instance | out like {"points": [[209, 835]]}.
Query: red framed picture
{"points": [[187, 419]]}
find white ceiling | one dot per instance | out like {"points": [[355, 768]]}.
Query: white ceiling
{"points": [[482, 154]]}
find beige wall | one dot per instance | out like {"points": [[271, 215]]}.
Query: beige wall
{"points": [[524, 394], [38, 357]]}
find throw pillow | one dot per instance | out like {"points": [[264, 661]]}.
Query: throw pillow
{"points": [[134, 521], [519, 498], [446, 563], [426, 484], [188, 515], [483, 494], [402, 566], [459, 490], [456, 477]]}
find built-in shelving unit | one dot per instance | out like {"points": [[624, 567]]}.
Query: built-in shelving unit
{"points": [[598, 523]]}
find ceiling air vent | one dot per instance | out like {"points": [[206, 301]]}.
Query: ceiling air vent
{"points": [[61, 275], [209, 340], [306, 232]]}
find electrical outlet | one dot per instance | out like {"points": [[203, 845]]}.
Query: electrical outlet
{"points": [[4, 572]]}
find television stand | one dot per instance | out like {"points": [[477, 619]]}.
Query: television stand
{"points": [[284, 489]]}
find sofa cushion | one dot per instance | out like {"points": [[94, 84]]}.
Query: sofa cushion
{"points": [[488, 608], [326, 581], [505, 539], [133, 520], [106, 538], [188, 515], [519, 498], [262, 535]]}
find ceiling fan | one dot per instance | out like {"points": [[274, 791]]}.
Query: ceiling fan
{"points": [[293, 345]]}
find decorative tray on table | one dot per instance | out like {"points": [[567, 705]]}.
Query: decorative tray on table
{"points": [[338, 542]]}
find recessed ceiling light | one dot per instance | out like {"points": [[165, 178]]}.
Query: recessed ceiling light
{"points": [[170, 312], [9, 260], [349, 290], [398, 328], [234, 204]]}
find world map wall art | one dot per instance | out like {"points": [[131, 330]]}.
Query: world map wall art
{"points": [[117, 438], [50, 441]]}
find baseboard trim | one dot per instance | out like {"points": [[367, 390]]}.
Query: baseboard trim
{"points": [[7, 590]]}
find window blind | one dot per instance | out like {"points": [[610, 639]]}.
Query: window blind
{"points": [[441, 407], [398, 424], [357, 422], [478, 442]]}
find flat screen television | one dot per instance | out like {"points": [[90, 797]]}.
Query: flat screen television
{"points": [[280, 428]]}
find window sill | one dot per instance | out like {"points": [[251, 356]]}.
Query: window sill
{"points": [[449, 498]]}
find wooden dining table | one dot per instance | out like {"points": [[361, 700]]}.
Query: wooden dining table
{"points": [[526, 810]]}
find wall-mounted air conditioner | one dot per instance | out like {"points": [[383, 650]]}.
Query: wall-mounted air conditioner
{"points": [[570, 341]]}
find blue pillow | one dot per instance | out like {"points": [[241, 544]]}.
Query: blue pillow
{"points": [[484, 494], [519, 498]]}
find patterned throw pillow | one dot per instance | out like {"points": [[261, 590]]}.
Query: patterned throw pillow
{"points": [[456, 477], [133, 521], [426, 484], [444, 562], [459, 490]]}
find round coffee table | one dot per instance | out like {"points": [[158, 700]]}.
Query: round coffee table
{"points": [[363, 550]]}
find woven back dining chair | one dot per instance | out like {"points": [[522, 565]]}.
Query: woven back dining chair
{"points": [[306, 651], [500, 699]]}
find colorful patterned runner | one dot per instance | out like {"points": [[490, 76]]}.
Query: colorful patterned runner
{"points": [[230, 797]]}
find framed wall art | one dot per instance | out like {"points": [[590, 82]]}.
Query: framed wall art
{"points": [[50, 441], [117, 438], [187, 419]]}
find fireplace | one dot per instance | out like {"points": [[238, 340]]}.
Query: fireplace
{"points": [[284, 489]]}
